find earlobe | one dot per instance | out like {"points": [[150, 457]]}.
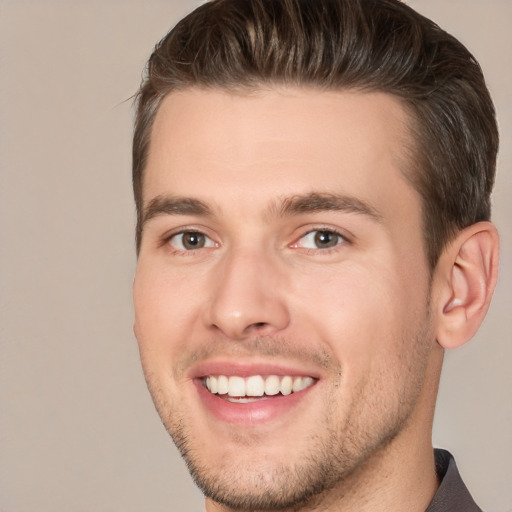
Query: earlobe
{"points": [[468, 273]]}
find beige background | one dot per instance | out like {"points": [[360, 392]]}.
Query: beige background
{"points": [[78, 431]]}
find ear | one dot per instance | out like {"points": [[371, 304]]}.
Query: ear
{"points": [[465, 278]]}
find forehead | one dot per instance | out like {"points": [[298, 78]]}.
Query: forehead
{"points": [[281, 140]]}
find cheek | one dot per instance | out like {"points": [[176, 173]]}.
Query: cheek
{"points": [[363, 314], [164, 306]]}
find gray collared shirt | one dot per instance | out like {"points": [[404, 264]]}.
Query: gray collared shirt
{"points": [[452, 495]]}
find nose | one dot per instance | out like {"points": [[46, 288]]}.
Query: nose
{"points": [[248, 296]]}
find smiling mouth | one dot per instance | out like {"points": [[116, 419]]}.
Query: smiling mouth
{"points": [[256, 387]]}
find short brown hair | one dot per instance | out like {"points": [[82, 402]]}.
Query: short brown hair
{"points": [[369, 45]]}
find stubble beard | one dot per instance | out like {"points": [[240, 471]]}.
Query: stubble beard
{"points": [[282, 487], [333, 456]]}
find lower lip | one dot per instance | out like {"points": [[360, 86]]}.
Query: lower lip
{"points": [[250, 413]]}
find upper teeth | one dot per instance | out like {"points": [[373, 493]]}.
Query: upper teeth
{"points": [[256, 385]]}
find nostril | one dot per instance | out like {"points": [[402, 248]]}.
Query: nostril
{"points": [[259, 329], [256, 327]]}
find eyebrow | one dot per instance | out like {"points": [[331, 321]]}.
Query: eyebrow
{"points": [[289, 206], [319, 202], [171, 205]]}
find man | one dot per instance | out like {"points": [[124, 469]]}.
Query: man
{"points": [[312, 181]]}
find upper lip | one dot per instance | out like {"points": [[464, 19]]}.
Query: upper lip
{"points": [[246, 369]]}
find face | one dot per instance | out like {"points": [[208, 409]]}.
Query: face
{"points": [[282, 290]]}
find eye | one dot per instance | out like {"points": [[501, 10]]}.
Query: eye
{"points": [[320, 239], [191, 240]]}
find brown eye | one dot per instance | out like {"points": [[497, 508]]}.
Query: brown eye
{"points": [[326, 239], [191, 240], [320, 239]]}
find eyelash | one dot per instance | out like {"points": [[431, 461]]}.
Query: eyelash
{"points": [[191, 232], [341, 240]]}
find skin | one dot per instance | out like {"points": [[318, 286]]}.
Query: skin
{"points": [[360, 316]]}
